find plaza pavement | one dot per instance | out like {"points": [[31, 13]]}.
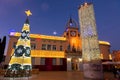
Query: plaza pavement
{"points": [[60, 75]]}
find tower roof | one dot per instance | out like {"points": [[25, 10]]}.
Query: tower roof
{"points": [[84, 4], [71, 23]]}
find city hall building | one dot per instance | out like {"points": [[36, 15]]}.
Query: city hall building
{"points": [[57, 53]]}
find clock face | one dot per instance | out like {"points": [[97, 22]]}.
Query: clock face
{"points": [[73, 33]]}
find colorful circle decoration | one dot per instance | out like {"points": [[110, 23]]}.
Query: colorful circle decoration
{"points": [[27, 67], [27, 35], [19, 51], [15, 66], [27, 52], [23, 34]]}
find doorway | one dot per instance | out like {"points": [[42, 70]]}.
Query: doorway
{"points": [[75, 64]]}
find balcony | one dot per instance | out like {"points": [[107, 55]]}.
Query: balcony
{"points": [[73, 53]]}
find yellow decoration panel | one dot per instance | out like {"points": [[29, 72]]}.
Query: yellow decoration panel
{"points": [[46, 53], [43, 53], [20, 60], [27, 43], [27, 60], [20, 42], [25, 27]]}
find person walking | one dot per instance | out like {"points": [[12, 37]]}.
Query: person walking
{"points": [[114, 70], [118, 74]]}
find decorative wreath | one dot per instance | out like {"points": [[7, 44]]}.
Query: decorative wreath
{"points": [[15, 66], [27, 35], [19, 51], [27, 52], [23, 34], [26, 67]]}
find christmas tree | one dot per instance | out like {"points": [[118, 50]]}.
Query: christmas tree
{"points": [[20, 62]]}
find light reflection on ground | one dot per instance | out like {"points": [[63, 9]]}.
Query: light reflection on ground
{"points": [[58, 75]]}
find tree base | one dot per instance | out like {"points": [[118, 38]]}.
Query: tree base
{"points": [[19, 73]]}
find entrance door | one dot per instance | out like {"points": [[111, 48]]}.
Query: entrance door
{"points": [[48, 64], [74, 64]]}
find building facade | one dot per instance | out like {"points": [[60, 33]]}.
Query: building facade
{"points": [[105, 50], [116, 58], [55, 53]]}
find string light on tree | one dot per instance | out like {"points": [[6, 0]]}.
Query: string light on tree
{"points": [[20, 63]]}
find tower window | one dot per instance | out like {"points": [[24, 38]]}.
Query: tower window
{"points": [[71, 24]]}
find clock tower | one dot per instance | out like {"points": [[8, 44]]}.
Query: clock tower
{"points": [[72, 34], [73, 50]]}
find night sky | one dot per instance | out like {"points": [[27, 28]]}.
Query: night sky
{"points": [[52, 15]]}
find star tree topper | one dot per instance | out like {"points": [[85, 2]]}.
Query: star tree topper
{"points": [[28, 13]]}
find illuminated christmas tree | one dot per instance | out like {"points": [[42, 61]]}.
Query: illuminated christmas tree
{"points": [[20, 62]]}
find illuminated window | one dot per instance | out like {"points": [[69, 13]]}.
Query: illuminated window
{"points": [[48, 47], [42, 61], [61, 61], [54, 47], [110, 57], [54, 61], [43, 46], [101, 55], [61, 48], [33, 46]]}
